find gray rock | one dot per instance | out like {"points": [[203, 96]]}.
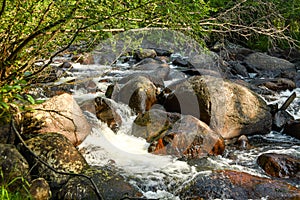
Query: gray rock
{"points": [[264, 62]]}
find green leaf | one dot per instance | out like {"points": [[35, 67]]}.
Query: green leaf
{"points": [[4, 105], [30, 99]]}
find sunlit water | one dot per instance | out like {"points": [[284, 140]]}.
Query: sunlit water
{"points": [[162, 176]]}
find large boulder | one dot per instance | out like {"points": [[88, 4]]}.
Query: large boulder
{"points": [[60, 114], [139, 93], [229, 184], [188, 138], [228, 108], [110, 184], [279, 165], [13, 166], [58, 152], [153, 123], [264, 62]]}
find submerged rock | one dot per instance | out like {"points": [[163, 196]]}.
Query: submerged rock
{"points": [[188, 138], [228, 108], [229, 184], [56, 150], [279, 165]]}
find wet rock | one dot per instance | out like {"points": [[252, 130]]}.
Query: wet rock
{"points": [[13, 166], [110, 184], [279, 84], [238, 69], [40, 189], [148, 64], [153, 123], [139, 93], [292, 128], [156, 80], [52, 90], [264, 62], [229, 184], [162, 52], [280, 119], [56, 150], [59, 114], [66, 65], [228, 108], [181, 62], [144, 53], [86, 59], [279, 165], [107, 112], [188, 138], [243, 143]]}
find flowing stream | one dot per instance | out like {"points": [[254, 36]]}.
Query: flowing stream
{"points": [[160, 177]]}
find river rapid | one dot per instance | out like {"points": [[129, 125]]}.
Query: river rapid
{"points": [[156, 176]]}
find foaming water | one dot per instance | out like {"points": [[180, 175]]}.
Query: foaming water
{"points": [[154, 175], [157, 176], [294, 108]]}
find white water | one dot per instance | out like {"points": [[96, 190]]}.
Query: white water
{"points": [[158, 176]]}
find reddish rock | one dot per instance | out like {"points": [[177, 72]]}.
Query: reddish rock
{"points": [[229, 184], [106, 112], [279, 165], [60, 114], [188, 138], [243, 143], [280, 84]]}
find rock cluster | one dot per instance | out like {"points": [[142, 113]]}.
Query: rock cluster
{"points": [[208, 108]]}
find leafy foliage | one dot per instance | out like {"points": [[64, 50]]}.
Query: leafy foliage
{"points": [[33, 30], [20, 193]]}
